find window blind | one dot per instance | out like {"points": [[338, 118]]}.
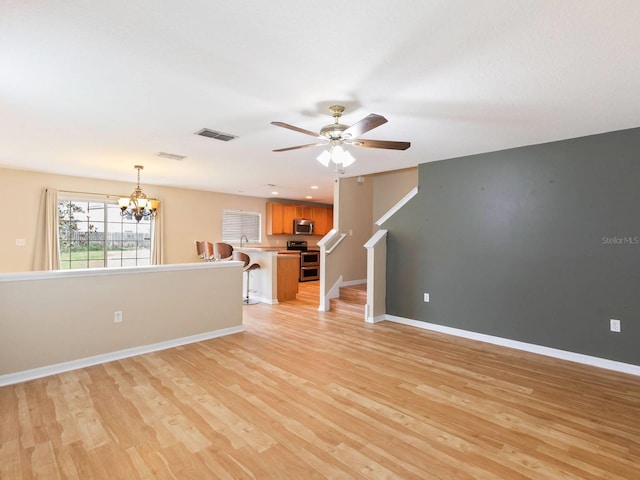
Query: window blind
{"points": [[236, 223]]}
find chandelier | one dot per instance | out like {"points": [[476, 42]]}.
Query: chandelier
{"points": [[137, 204], [336, 154]]}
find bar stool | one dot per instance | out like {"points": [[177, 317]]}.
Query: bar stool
{"points": [[200, 249], [248, 266], [220, 250]]}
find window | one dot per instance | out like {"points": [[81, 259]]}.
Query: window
{"points": [[93, 234], [236, 223]]}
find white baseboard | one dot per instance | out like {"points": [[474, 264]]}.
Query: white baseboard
{"points": [[379, 318], [527, 347], [268, 301], [26, 375]]}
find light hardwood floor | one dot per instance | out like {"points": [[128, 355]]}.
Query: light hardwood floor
{"points": [[303, 395]]}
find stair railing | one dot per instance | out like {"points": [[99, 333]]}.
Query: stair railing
{"points": [[329, 269], [337, 242]]}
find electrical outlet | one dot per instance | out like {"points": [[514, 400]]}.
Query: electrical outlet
{"points": [[20, 242], [614, 325], [426, 297], [117, 316]]}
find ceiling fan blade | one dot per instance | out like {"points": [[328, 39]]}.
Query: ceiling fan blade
{"points": [[297, 129], [381, 144], [299, 146], [367, 123]]}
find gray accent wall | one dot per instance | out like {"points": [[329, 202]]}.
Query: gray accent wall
{"points": [[539, 244]]}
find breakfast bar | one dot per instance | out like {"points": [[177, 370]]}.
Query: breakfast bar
{"points": [[277, 279]]}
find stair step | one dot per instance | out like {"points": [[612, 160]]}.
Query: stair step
{"points": [[356, 294], [351, 301], [338, 305]]}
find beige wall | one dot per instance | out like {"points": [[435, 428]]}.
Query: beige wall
{"points": [[59, 328], [390, 187], [360, 204], [55, 317], [187, 214], [355, 219]]}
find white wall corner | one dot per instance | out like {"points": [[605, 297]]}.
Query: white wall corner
{"points": [[378, 319]]}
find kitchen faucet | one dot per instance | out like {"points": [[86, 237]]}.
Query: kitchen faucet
{"points": [[245, 239]]}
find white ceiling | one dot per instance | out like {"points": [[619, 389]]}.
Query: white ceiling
{"points": [[92, 88]]}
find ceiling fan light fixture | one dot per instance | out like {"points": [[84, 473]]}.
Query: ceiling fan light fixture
{"points": [[324, 158], [336, 154], [338, 135], [348, 159], [340, 156]]}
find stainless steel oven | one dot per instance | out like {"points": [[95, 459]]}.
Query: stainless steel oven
{"points": [[309, 273], [309, 260], [309, 265]]}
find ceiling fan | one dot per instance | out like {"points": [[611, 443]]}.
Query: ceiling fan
{"points": [[338, 135]]}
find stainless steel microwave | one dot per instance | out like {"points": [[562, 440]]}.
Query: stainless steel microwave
{"points": [[302, 226]]}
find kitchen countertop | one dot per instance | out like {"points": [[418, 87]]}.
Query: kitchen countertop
{"points": [[280, 250], [258, 249]]}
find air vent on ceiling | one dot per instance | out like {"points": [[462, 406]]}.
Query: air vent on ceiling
{"points": [[225, 137], [170, 156]]}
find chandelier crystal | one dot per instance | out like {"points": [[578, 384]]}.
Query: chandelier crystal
{"points": [[137, 204]]}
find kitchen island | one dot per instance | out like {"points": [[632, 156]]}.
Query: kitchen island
{"points": [[277, 279], [288, 276]]}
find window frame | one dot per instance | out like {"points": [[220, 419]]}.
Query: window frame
{"points": [[236, 223], [106, 231]]}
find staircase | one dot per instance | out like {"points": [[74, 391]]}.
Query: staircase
{"points": [[351, 301]]}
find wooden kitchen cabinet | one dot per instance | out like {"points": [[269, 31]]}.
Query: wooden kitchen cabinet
{"points": [[329, 216], [307, 212], [275, 218], [303, 211], [288, 276], [323, 217], [280, 217], [290, 212]]}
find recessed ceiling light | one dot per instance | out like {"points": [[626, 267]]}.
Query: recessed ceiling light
{"points": [[274, 193], [309, 197], [314, 187]]}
